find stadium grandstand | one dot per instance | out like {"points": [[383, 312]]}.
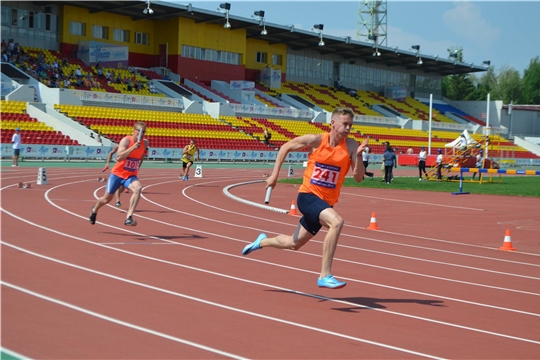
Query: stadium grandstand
{"points": [[77, 75]]}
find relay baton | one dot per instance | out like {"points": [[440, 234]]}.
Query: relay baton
{"points": [[268, 194], [141, 133]]}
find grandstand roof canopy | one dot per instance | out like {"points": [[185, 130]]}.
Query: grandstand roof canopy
{"points": [[297, 39]]}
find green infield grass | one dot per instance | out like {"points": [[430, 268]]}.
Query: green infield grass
{"points": [[519, 185]]}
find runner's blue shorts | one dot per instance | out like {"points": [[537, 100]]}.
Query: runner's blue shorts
{"points": [[115, 182], [311, 207]]}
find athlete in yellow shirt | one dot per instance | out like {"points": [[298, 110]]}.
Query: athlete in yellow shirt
{"points": [[188, 154]]}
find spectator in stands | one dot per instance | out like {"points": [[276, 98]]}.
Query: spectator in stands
{"points": [[422, 156], [410, 150], [124, 173], [188, 154], [92, 135], [333, 155], [389, 160], [479, 163], [5, 57], [365, 160], [98, 139], [439, 165], [16, 140], [267, 136], [152, 88]]}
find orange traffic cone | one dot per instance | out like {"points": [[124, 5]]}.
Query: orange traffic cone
{"points": [[293, 209], [373, 223], [507, 244]]}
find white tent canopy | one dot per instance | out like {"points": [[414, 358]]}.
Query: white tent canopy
{"points": [[470, 140]]}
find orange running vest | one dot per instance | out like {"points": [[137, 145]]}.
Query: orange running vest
{"points": [[326, 170], [130, 165]]}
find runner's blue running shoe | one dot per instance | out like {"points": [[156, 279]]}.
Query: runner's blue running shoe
{"points": [[256, 245], [330, 282], [118, 204]]}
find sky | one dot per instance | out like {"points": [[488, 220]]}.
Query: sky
{"points": [[507, 33]]}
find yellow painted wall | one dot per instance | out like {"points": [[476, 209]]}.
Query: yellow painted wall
{"points": [[176, 32], [254, 46], [112, 21], [211, 36], [166, 31]]}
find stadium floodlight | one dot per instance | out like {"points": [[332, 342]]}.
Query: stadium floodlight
{"points": [[225, 6], [147, 10], [372, 37], [260, 15], [376, 53], [487, 63], [420, 62], [318, 28], [416, 47]]}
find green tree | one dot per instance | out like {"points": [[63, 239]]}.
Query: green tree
{"points": [[508, 86], [458, 87], [531, 83]]}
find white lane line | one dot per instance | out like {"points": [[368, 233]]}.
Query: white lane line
{"points": [[319, 297], [295, 269], [122, 323], [310, 254], [415, 202], [355, 227], [356, 237], [316, 255], [13, 353]]}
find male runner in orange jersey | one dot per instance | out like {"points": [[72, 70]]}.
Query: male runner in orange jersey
{"points": [[124, 173], [331, 156], [121, 189]]}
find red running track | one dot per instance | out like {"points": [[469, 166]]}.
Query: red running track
{"points": [[430, 284]]}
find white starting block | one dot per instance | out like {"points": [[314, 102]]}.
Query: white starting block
{"points": [[42, 176], [24, 185], [198, 171]]}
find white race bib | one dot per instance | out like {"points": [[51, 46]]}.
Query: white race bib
{"points": [[325, 175]]}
